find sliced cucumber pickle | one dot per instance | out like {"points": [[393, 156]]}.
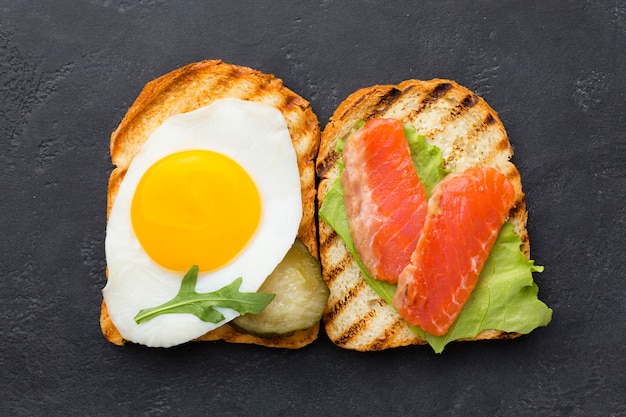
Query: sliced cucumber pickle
{"points": [[301, 296]]}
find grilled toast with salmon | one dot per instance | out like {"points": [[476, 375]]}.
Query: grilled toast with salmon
{"points": [[197, 85], [468, 132]]}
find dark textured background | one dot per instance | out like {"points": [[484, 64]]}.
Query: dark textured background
{"points": [[555, 72]]}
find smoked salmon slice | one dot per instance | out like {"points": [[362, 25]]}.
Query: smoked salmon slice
{"points": [[385, 201], [465, 214]]}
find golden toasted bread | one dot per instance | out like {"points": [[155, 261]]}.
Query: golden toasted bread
{"points": [[469, 133], [197, 85]]}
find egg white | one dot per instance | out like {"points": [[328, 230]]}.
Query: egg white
{"points": [[254, 135]]}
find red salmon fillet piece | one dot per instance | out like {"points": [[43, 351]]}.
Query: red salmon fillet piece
{"points": [[385, 201], [465, 214]]}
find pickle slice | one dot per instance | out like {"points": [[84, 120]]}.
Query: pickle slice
{"points": [[301, 296]]}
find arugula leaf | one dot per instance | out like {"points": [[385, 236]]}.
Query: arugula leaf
{"points": [[188, 301], [427, 159]]}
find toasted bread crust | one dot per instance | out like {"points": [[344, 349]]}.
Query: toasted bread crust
{"points": [[198, 85], [469, 133]]}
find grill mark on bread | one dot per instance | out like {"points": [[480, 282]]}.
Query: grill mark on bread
{"points": [[464, 105], [513, 176], [460, 110], [389, 334], [355, 330], [408, 89], [474, 137], [259, 91], [385, 102], [435, 94], [474, 133], [226, 78], [429, 100], [337, 269], [292, 102], [332, 311], [351, 109], [503, 145], [327, 162], [235, 71], [469, 101], [330, 240], [520, 203], [518, 207], [401, 103], [489, 120]]}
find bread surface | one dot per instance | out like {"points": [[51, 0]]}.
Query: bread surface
{"points": [[197, 85], [469, 133]]}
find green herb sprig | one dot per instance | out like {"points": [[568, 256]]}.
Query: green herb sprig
{"points": [[202, 305]]}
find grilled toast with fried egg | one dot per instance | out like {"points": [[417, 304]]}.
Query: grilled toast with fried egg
{"points": [[192, 87]]}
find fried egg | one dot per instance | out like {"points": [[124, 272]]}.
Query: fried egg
{"points": [[217, 187]]}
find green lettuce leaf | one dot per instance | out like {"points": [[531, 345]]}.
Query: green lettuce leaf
{"points": [[333, 212], [505, 296], [202, 305], [427, 159]]}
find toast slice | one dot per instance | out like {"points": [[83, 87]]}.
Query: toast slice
{"points": [[189, 88], [469, 133]]}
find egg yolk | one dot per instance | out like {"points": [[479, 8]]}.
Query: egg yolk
{"points": [[195, 207]]}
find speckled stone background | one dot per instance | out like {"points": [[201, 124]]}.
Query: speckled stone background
{"points": [[555, 72]]}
